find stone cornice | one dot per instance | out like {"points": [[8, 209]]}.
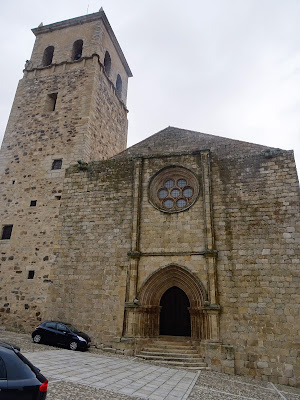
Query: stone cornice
{"points": [[206, 253]]}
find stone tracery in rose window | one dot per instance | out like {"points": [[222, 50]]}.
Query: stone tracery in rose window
{"points": [[173, 189]]}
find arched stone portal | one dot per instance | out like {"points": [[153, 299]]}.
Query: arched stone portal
{"points": [[147, 318]]}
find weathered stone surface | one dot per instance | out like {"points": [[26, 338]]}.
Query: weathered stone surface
{"points": [[103, 254], [89, 123]]}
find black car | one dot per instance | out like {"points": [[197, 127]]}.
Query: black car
{"points": [[61, 333], [19, 379]]}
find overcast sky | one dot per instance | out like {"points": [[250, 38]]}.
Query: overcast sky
{"points": [[224, 67]]}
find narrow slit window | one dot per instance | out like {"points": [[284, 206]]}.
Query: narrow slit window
{"points": [[57, 164], [107, 63], [51, 102], [6, 232], [119, 86], [30, 274]]}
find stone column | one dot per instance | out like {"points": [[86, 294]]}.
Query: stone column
{"points": [[211, 314], [211, 309], [209, 227], [131, 304]]}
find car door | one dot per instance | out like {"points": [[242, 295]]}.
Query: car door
{"points": [[12, 389], [63, 334], [49, 332], [22, 383], [3, 381]]}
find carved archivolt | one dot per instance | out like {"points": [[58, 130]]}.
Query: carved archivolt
{"points": [[167, 277], [147, 317]]}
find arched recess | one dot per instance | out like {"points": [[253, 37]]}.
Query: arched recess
{"points": [[48, 56], [77, 50], [152, 291]]}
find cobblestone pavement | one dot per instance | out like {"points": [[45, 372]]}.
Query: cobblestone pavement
{"points": [[127, 377], [208, 385]]}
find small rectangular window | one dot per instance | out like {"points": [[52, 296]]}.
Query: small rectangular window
{"points": [[33, 203], [6, 232], [51, 100], [57, 164], [30, 274]]}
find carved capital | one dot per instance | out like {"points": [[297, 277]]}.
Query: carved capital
{"points": [[134, 254], [211, 253]]}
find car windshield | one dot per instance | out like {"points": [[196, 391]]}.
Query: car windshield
{"points": [[72, 328]]}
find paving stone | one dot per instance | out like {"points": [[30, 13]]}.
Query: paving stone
{"points": [[67, 372]]}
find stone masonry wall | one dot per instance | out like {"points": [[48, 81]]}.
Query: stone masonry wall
{"points": [[255, 211], [256, 214], [89, 280], [107, 129], [36, 136], [96, 40], [255, 196], [175, 233], [33, 139]]}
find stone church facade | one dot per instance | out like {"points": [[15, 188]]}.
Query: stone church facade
{"points": [[184, 234]]}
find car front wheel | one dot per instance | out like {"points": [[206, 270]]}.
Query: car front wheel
{"points": [[37, 338], [73, 345]]}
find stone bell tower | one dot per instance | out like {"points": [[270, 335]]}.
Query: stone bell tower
{"points": [[70, 105]]}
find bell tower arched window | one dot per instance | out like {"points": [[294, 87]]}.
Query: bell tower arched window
{"points": [[119, 86], [107, 63], [48, 56], [77, 50]]}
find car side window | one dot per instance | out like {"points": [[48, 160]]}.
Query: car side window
{"points": [[16, 368], [62, 328], [51, 325], [2, 370]]}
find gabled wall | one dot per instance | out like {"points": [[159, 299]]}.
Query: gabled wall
{"points": [[255, 227]]}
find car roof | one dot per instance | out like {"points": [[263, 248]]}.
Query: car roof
{"points": [[9, 346], [57, 322]]}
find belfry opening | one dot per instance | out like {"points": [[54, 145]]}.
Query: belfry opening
{"points": [[174, 314]]}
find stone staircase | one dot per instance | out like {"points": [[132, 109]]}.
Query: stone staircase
{"points": [[174, 351]]}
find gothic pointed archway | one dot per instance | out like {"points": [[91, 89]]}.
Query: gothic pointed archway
{"points": [[153, 290]]}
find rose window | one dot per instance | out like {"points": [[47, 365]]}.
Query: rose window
{"points": [[173, 189]]}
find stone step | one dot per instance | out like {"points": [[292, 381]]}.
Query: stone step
{"points": [[180, 363], [155, 347], [168, 338], [174, 342], [175, 351], [171, 346], [185, 365], [169, 356]]}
